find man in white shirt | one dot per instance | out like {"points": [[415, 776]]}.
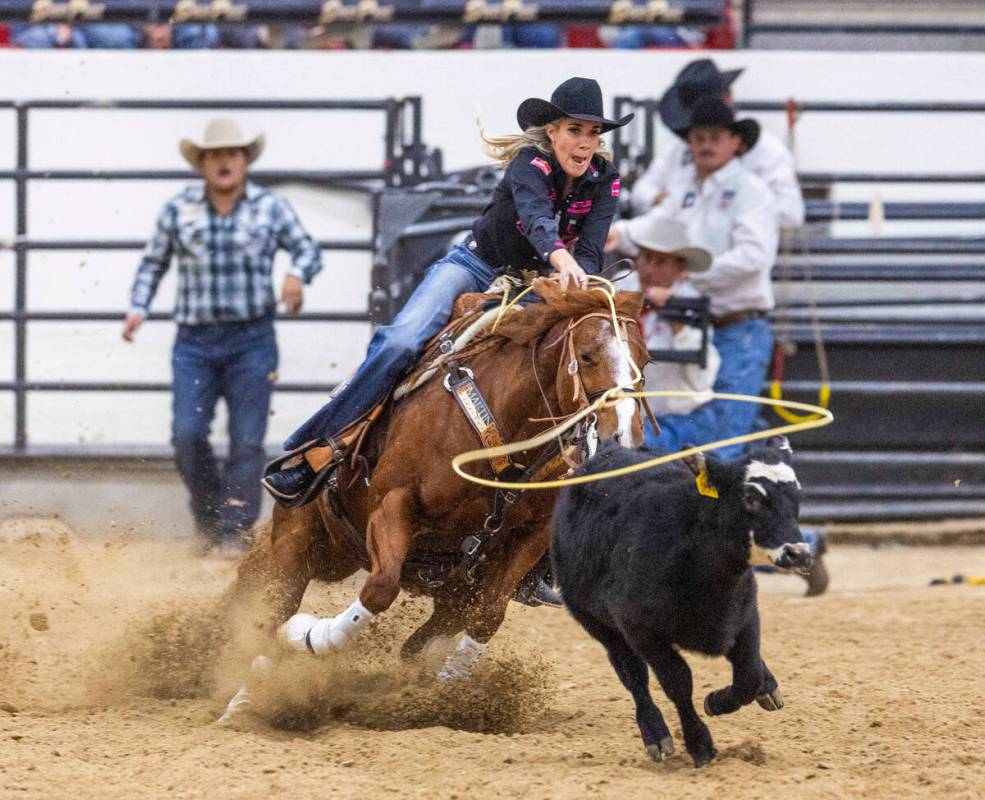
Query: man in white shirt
{"points": [[732, 213], [663, 267], [765, 155]]}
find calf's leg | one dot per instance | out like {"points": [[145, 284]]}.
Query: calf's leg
{"points": [[632, 671], [770, 698], [675, 679], [748, 674]]}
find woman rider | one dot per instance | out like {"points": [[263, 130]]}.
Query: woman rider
{"points": [[551, 212]]}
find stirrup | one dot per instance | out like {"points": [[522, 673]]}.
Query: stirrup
{"points": [[321, 476]]}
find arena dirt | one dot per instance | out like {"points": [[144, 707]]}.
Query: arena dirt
{"points": [[110, 683]]}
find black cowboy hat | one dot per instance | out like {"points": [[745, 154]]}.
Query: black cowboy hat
{"points": [[700, 78], [579, 98], [712, 112]]}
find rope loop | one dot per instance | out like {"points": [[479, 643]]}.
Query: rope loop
{"points": [[819, 417]]}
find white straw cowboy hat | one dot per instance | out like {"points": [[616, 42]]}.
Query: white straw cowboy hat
{"points": [[663, 235], [219, 133]]}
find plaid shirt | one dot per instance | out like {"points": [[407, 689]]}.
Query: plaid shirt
{"points": [[224, 261]]}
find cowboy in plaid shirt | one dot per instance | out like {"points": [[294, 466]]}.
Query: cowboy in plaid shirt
{"points": [[224, 261], [225, 234]]}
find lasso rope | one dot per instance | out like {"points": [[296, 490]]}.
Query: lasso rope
{"points": [[816, 417], [820, 417]]}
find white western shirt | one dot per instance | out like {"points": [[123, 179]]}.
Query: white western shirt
{"points": [[769, 159], [732, 214], [672, 376]]}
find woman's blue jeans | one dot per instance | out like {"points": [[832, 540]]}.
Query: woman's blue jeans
{"points": [[745, 348], [395, 348]]}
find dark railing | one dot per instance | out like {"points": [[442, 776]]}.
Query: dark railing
{"points": [[312, 12], [403, 162]]}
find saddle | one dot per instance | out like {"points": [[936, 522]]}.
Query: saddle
{"points": [[472, 314]]}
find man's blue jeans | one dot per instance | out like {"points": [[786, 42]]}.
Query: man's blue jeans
{"points": [[745, 348], [395, 348], [235, 361]]}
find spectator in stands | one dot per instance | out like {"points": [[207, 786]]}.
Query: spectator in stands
{"points": [[188, 36], [38, 37], [732, 213], [225, 233], [117, 37], [654, 36], [665, 261], [765, 156]]}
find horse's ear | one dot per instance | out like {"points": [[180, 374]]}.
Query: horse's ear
{"points": [[629, 304], [547, 289]]}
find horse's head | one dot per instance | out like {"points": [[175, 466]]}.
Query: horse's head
{"points": [[593, 356]]}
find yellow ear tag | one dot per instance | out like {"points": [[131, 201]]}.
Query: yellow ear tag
{"points": [[704, 486]]}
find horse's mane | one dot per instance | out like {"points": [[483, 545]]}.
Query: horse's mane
{"points": [[538, 318]]}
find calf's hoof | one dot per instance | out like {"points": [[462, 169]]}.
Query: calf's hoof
{"points": [[704, 757], [770, 701], [658, 751]]}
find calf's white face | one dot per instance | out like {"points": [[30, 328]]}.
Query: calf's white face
{"points": [[771, 498]]}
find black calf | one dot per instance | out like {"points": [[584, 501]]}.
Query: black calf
{"points": [[646, 563]]}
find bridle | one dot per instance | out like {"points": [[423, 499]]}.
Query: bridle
{"points": [[586, 431]]}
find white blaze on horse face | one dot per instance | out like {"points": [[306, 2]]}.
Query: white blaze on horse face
{"points": [[621, 372], [778, 473]]}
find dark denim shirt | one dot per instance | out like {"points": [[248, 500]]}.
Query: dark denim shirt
{"points": [[529, 218]]}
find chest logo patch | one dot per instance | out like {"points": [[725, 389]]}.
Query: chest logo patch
{"points": [[727, 197], [615, 188], [542, 165], [688, 200]]}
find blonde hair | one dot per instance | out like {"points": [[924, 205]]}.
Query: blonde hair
{"points": [[503, 149]]}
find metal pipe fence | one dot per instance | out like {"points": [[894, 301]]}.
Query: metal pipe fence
{"points": [[403, 162]]}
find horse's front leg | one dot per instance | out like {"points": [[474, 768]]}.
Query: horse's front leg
{"points": [[499, 579], [273, 577], [446, 620], [388, 538]]}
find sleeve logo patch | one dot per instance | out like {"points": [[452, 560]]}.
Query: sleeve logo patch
{"points": [[615, 188], [542, 165]]}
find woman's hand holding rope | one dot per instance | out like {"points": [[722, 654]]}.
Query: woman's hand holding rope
{"points": [[569, 271]]}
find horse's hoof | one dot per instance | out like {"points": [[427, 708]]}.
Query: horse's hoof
{"points": [[770, 701], [708, 709], [659, 751], [460, 664], [239, 705]]}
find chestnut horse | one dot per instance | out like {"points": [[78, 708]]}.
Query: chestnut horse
{"points": [[406, 523]]}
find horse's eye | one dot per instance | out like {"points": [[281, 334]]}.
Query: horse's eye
{"points": [[586, 359]]}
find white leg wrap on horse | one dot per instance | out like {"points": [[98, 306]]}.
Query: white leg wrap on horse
{"points": [[261, 667], [309, 634], [460, 664]]}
